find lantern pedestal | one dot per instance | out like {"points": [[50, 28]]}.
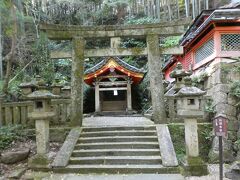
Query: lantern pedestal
{"points": [[194, 166], [41, 160]]}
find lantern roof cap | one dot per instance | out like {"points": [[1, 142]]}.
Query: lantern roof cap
{"points": [[27, 84], [220, 115], [190, 91], [179, 71], [41, 94]]}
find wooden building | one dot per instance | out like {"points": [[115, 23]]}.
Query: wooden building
{"points": [[213, 37], [112, 79]]}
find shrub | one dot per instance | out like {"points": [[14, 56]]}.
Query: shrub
{"points": [[8, 134]]}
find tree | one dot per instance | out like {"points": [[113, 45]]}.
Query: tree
{"points": [[13, 35], [1, 46]]}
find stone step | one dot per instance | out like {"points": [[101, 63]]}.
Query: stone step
{"points": [[117, 128], [115, 152], [116, 160], [115, 169], [118, 139], [119, 133], [118, 145]]}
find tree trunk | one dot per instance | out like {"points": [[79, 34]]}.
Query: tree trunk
{"points": [[1, 49], [10, 56], [158, 10], [187, 7]]}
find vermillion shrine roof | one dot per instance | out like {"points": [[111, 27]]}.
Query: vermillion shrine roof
{"points": [[120, 67]]}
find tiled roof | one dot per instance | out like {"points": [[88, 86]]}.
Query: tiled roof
{"points": [[118, 60], [229, 12]]}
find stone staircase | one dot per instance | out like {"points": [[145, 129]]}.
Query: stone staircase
{"points": [[117, 150]]}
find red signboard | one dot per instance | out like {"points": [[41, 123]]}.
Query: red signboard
{"points": [[220, 126]]}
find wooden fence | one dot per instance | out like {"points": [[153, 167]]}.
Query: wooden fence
{"points": [[17, 112]]}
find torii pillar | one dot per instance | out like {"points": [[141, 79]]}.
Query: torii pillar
{"points": [[77, 81], [155, 74]]}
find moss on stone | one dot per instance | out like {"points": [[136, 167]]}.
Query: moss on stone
{"points": [[136, 50], [194, 166], [39, 161], [177, 135]]}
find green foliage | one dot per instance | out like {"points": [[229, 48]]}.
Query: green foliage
{"points": [[43, 64], [8, 134], [177, 135], [236, 69], [196, 80], [62, 67], [131, 42], [209, 106], [1, 86], [205, 137], [235, 89], [170, 41]]}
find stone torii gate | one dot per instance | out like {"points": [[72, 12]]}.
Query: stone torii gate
{"points": [[152, 33]]}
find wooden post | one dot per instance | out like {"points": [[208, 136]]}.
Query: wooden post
{"points": [[23, 115], [129, 96], [77, 81], [156, 84], [16, 115], [8, 115], [97, 98]]}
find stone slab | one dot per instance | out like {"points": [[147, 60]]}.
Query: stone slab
{"points": [[115, 177], [116, 121], [166, 146], [65, 152]]}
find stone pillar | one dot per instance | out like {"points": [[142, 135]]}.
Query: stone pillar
{"points": [[171, 109], [191, 137], [129, 97], [42, 136], [77, 81], [97, 98], [156, 84]]}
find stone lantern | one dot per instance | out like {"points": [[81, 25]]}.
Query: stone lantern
{"points": [[27, 87], [41, 84], [189, 107], [189, 100], [41, 115], [56, 87], [179, 73], [66, 91]]}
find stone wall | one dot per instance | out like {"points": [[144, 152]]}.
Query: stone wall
{"points": [[217, 86]]}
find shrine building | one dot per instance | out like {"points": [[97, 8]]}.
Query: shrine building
{"points": [[112, 79], [212, 38]]}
